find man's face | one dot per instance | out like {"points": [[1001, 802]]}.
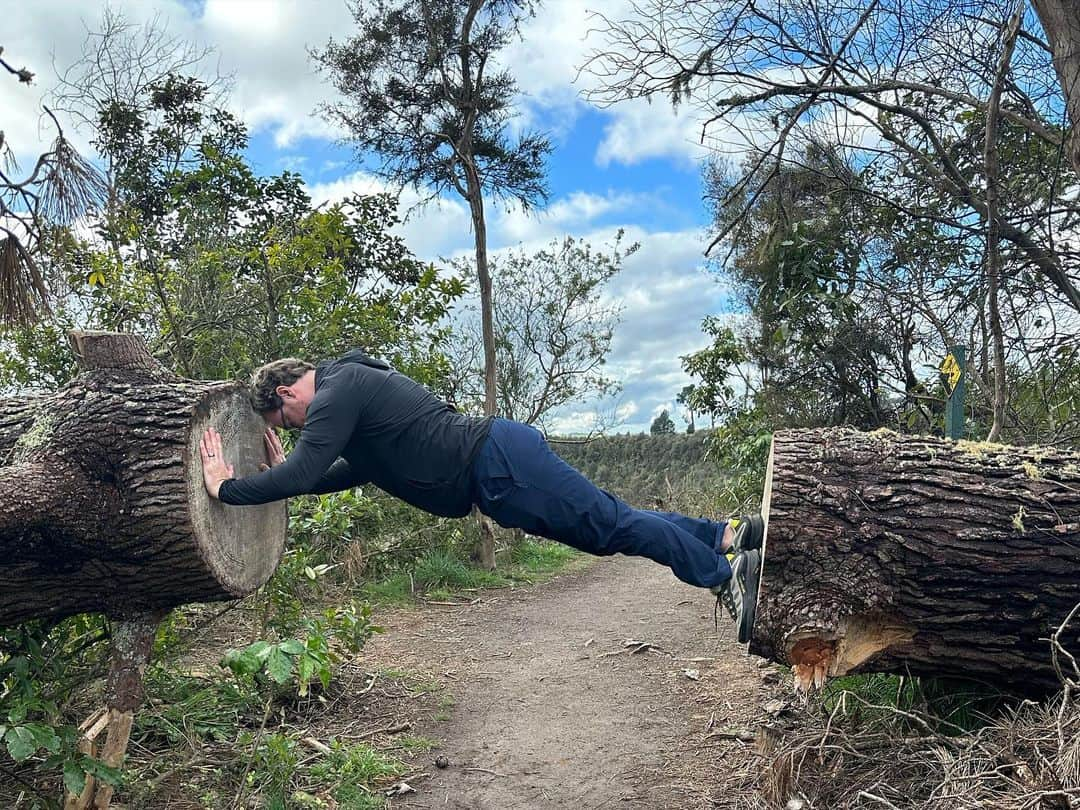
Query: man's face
{"points": [[292, 412]]}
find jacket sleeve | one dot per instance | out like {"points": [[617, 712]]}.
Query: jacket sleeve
{"points": [[329, 423], [340, 476]]}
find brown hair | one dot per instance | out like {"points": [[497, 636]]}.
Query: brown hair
{"points": [[266, 379]]}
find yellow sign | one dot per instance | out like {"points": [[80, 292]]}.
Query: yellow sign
{"points": [[950, 371]]}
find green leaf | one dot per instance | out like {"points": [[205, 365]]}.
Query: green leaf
{"points": [[242, 662], [45, 736], [292, 647], [74, 778], [105, 773], [279, 665], [20, 743]]}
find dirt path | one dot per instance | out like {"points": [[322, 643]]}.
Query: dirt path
{"points": [[552, 710]]}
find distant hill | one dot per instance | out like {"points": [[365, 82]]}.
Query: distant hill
{"points": [[647, 471]]}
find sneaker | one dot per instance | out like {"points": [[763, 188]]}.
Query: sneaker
{"points": [[749, 533], [745, 576], [739, 594]]}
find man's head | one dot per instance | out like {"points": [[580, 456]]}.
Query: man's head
{"points": [[282, 390]]}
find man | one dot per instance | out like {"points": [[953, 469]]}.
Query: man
{"points": [[361, 421]]}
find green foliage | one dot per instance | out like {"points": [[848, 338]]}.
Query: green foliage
{"points": [[222, 269], [650, 471], [713, 366], [299, 661], [740, 447], [41, 668], [416, 94], [553, 328], [950, 707], [662, 424]]}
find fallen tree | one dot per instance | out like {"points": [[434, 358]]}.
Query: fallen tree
{"points": [[104, 506], [894, 553], [104, 510]]}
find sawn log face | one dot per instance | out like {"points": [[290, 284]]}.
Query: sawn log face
{"points": [[912, 554]]}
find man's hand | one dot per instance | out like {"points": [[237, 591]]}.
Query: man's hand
{"points": [[274, 451], [215, 470]]}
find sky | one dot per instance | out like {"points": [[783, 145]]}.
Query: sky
{"points": [[633, 165]]}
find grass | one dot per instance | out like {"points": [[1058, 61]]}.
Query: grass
{"points": [[533, 560], [416, 742], [350, 772], [445, 711], [953, 706], [440, 574]]}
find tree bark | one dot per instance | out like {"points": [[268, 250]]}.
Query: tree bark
{"points": [[104, 506], [895, 553], [1061, 22]]}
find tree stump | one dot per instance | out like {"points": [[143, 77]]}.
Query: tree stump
{"points": [[105, 508], [105, 511], [919, 555]]}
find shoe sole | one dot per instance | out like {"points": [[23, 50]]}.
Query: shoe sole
{"points": [[750, 594]]}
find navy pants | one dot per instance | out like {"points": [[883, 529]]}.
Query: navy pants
{"points": [[522, 484]]}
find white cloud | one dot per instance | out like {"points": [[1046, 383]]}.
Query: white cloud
{"points": [[640, 130]]}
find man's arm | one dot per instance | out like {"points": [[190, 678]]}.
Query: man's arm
{"points": [[340, 476]]}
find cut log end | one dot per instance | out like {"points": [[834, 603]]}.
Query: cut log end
{"points": [[241, 545]]}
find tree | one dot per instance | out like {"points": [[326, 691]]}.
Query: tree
{"points": [[662, 424], [553, 327], [120, 65], [226, 269], [422, 94], [683, 398], [911, 554], [60, 188], [949, 132], [1061, 21], [930, 167], [882, 72]]}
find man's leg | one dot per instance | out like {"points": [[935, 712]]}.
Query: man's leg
{"points": [[521, 483], [710, 532]]}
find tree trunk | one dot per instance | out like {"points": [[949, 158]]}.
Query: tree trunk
{"points": [[486, 551], [895, 553], [104, 506], [1061, 22]]}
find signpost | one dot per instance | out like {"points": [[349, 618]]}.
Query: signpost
{"points": [[952, 377]]}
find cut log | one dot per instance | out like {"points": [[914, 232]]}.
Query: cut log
{"points": [[894, 553], [104, 506]]}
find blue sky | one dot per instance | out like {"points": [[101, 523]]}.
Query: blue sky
{"points": [[633, 166]]}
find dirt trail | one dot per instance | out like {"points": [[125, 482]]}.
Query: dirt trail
{"points": [[552, 710]]}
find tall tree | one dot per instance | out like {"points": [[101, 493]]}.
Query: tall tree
{"points": [[662, 424], [1061, 21], [121, 61], [421, 92], [684, 399]]}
